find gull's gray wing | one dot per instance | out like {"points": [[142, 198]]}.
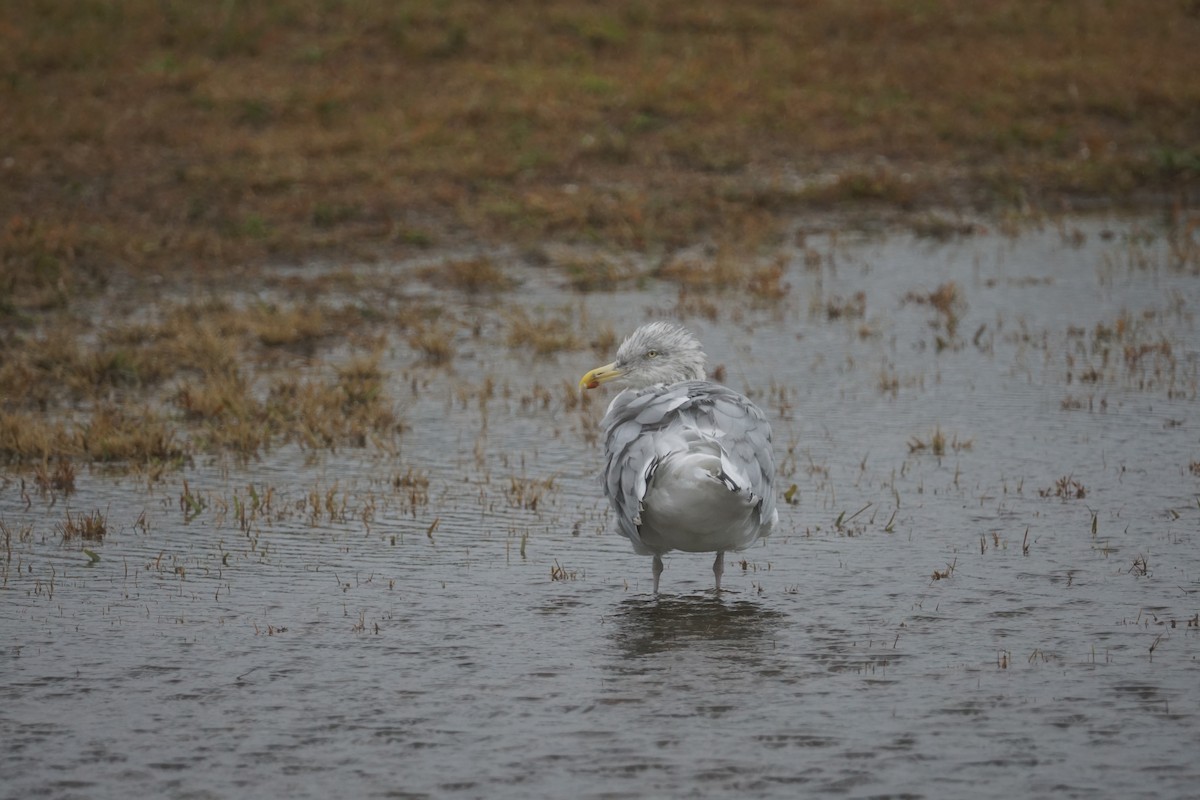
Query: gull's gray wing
{"points": [[642, 427]]}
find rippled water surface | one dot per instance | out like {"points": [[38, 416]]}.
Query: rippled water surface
{"points": [[458, 619]]}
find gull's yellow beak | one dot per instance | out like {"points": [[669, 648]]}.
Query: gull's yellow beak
{"points": [[599, 375]]}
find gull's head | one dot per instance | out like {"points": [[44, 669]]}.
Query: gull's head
{"points": [[656, 353]]}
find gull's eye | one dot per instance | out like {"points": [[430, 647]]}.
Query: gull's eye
{"points": [[651, 354]]}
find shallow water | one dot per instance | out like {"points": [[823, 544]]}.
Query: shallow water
{"points": [[920, 625]]}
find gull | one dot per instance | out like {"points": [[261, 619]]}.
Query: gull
{"points": [[687, 462]]}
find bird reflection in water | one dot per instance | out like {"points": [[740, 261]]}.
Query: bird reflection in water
{"points": [[648, 626]]}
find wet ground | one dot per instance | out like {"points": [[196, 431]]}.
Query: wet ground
{"points": [[985, 580]]}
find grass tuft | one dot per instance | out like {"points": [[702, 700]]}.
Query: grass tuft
{"points": [[116, 434], [434, 343], [950, 304], [543, 336], [1065, 488], [473, 276], [61, 478], [89, 527]]}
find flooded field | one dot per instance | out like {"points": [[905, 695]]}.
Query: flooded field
{"points": [[985, 578]]}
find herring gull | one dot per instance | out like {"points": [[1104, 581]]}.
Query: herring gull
{"points": [[688, 462]]}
